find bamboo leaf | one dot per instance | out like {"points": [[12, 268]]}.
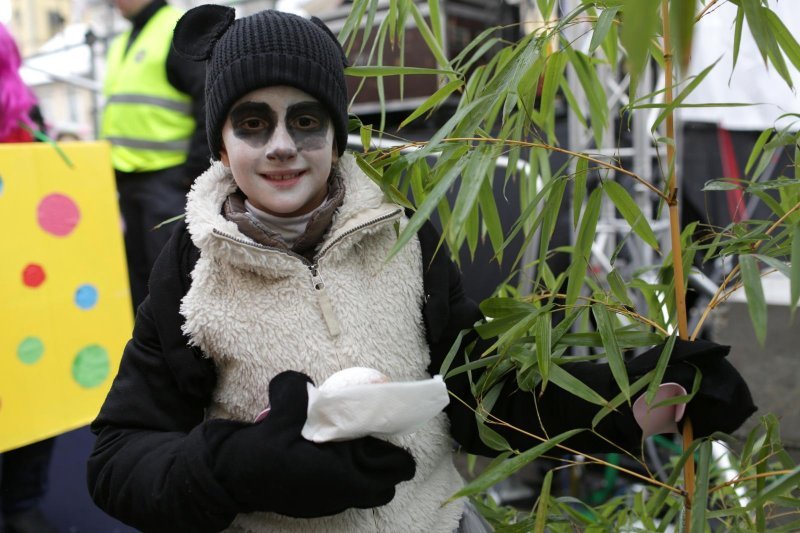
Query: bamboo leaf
{"points": [[625, 338], [490, 437], [601, 27], [757, 147], [520, 328], [618, 288], [501, 471], [657, 501], [448, 360], [794, 279], [631, 212], [436, 20], [470, 229], [544, 500], [500, 307], [564, 326], [498, 326], [375, 71], [431, 202], [782, 485], [685, 92], [661, 367], [366, 137], [620, 398], [605, 325], [579, 188], [386, 26], [430, 39], [682, 13], [550, 215], [169, 221], [777, 264], [475, 173], [583, 247], [491, 218], [483, 36], [737, 38], [543, 330], [754, 292], [757, 21], [700, 502], [553, 74], [434, 142], [473, 365], [372, 11], [639, 27], [573, 385], [352, 23], [593, 89], [432, 101], [784, 38]]}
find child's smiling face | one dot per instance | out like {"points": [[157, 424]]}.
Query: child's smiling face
{"points": [[278, 143]]}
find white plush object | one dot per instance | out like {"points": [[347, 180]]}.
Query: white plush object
{"points": [[357, 402], [356, 375]]}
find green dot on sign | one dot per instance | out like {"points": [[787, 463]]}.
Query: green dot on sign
{"points": [[91, 366], [30, 350]]}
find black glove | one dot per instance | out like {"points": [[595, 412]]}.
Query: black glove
{"points": [[269, 466], [723, 401]]}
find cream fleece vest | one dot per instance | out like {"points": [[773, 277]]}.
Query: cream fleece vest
{"points": [[258, 311]]}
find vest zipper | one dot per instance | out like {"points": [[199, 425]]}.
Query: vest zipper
{"points": [[317, 283], [324, 301]]}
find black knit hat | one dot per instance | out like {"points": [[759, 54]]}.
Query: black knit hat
{"points": [[261, 50]]}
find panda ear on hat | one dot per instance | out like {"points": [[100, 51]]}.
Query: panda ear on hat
{"points": [[198, 30]]}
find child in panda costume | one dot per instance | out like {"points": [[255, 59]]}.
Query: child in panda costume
{"points": [[278, 278]]}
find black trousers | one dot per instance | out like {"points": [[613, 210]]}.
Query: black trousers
{"points": [[147, 199], [24, 477]]}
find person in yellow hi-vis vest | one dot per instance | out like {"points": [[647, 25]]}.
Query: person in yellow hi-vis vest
{"points": [[155, 121]]}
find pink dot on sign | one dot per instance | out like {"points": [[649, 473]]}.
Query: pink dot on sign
{"points": [[58, 214], [33, 275]]}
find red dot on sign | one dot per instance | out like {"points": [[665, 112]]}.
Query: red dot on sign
{"points": [[58, 214], [33, 275]]}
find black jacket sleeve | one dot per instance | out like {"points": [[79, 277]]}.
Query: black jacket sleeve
{"points": [[447, 312], [150, 466], [190, 77], [722, 403]]}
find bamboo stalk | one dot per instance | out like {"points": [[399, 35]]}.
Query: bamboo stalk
{"points": [[677, 252], [525, 144]]}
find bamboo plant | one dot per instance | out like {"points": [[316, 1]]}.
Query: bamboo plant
{"points": [[505, 93]]}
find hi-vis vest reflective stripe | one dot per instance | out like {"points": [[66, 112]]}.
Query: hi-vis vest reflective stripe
{"points": [[146, 119]]}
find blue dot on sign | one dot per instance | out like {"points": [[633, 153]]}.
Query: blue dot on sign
{"points": [[86, 296], [1, 185]]}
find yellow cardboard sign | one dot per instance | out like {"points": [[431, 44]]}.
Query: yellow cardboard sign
{"points": [[65, 314]]}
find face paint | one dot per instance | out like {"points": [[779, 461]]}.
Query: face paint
{"points": [[253, 122], [308, 123], [278, 143]]}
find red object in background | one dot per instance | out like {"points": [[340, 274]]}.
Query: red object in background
{"points": [[19, 135], [735, 197]]}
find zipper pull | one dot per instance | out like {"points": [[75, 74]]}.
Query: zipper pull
{"points": [[324, 302]]}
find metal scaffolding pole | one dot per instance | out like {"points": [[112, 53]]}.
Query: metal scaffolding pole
{"points": [[640, 154]]}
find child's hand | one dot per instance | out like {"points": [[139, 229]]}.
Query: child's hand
{"points": [[722, 402], [269, 466]]}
